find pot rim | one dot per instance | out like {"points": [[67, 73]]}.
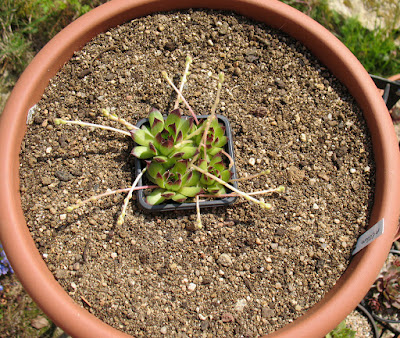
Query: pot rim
{"points": [[19, 245]]}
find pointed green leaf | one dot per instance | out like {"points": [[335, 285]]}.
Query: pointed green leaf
{"points": [[157, 126], [213, 151], [181, 166], [174, 117], [202, 164], [155, 169], [168, 194], [191, 179], [216, 189], [226, 175], [216, 159], [164, 145], [142, 152], [206, 180], [179, 198], [155, 197], [184, 127], [221, 142], [189, 152], [155, 115], [190, 191], [141, 136]]}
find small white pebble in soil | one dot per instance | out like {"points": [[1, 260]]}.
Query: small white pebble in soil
{"points": [[45, 255], [367, 169], [163, 330], [315, 206], [48, 150], [240, 305], [63, 217], [202, 317], [73, 285], [191, 287], [298, 307], [352, 170], [252, 161], [114, 255], [224, 260]]}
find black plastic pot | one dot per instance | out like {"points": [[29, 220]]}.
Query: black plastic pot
{"points": [[363, 311], [220, 202], [385, 323]]}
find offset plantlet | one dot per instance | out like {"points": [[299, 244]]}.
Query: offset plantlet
{"points": [[386, 290], [185, 157]]}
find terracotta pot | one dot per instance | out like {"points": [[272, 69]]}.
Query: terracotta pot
{"points": [[20, 248]]}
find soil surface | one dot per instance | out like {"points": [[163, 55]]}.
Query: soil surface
{"points": [[248, 271]]}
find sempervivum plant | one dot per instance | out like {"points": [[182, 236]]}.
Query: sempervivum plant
{"points": [[386, 290], [171, 147], [185, 157]]}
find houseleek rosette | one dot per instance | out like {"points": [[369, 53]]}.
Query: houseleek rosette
{"points": [[171, 146]]}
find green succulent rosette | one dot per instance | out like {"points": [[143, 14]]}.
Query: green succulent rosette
{"points": [[170, 145]]}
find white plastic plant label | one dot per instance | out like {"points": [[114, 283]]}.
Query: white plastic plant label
{"points": [[369, 236], [31, 111]]}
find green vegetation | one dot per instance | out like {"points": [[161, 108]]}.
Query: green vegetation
{"points": [[377, 50], [341, 331], [27, 25]]}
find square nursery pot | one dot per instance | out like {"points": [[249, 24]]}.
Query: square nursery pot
{"points": [[218, 202], [14, 233]]}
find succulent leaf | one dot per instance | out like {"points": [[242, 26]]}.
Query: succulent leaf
{"points": [[173, 118], [155, 115], [226, 175], [220, 141], [155, 197], [155, 169], [179, 198], [190, 191], [168, 194], [142, 152], [181, 166], [141, 136], [191, 178]]}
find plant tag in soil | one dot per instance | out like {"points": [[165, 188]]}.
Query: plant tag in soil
{"points": [[369, 236]]}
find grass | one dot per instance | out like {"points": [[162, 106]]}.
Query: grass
{"points": [[377, 50], [26, 25], [17, 310]]}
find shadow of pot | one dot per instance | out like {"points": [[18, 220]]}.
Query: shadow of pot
{"points": [[19, 245]]}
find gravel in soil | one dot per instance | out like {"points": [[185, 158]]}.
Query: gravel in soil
{"points": [[248, 271]]}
